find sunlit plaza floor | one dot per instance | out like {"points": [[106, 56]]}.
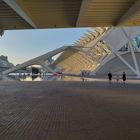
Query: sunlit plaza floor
{"points": [[58, 110]]}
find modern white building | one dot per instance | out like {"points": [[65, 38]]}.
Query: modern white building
{"points": [[100, 51]]}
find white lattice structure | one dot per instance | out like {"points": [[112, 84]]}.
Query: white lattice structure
{"points": [[124, 54], [108, 49]]}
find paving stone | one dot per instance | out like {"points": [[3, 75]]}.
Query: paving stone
{"points": [[69, 111]]}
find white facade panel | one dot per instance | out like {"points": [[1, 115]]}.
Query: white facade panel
{"points": [[116, 39]]}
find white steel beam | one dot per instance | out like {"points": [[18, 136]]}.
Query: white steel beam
{"points": [[34, 61], [81, 50], [46, 67], [109, 57], [115, 52], [20, 12], [134, 58], [101, 37], [137, 48], [132, 52], [125, 62]]}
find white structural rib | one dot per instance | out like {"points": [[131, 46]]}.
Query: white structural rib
{"points": [[116, 40], [130, 13], [36, 60], [125, 62], [20, 12], [83, 51], [45, 66]]}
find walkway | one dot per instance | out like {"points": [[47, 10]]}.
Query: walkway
{"points": [[69, 111]]}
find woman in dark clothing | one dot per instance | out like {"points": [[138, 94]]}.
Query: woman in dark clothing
{"points": [[124, 77]]}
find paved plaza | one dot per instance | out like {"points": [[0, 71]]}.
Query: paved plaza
{"points": [[69, 111]]}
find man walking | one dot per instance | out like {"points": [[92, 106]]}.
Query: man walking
{"points": [[109, 77], [124, 77]]}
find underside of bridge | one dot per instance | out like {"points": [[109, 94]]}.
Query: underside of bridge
{"points": [[28, 14]]}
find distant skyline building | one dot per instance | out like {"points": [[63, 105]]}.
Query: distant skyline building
{"points": [[4, 63]]}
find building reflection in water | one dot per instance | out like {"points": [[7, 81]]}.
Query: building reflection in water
{"points": [[42, 77], [37, 77]]}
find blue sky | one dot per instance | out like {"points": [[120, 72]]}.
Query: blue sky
{"points": [[22, 45]]}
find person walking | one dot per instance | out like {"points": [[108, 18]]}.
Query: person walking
{"points": [[124, 77], [109, 77]]}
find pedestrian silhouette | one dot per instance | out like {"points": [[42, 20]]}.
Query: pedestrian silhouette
{"points": [[124, 77], [109, 77]]}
